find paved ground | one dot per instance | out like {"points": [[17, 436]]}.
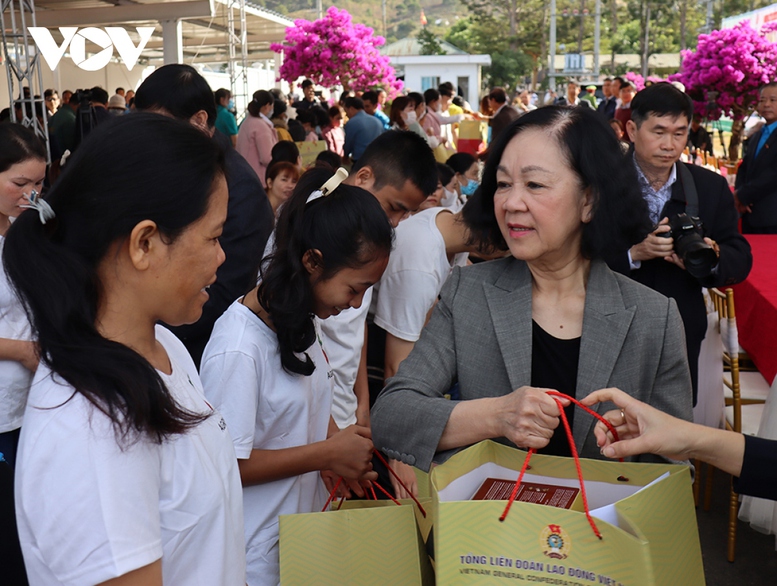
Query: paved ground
{"points": [[756, 558]]}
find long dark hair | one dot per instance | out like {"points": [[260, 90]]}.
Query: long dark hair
{"points": [[135, 168], [17, 144], [620, 214], [259, 100], [348, 227]]}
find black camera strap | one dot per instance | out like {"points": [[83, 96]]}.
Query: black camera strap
{"points": [[689, 189]]}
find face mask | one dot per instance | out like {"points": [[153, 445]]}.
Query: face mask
{"points": [[410, 117], [438, 107], [450, 196], [231, 105], [470, 187]]}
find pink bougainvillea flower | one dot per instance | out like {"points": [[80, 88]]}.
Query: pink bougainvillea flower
{"points": [[334, 51], [727, 69]]}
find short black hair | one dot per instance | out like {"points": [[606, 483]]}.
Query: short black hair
{"points": [[179, 90], [99, 95], [285, 150], [619, 215], [573, 82], [461, 162], [771, 84], [431, 95], [498, 94], [661, 99], [279, 107], [329, 159], [371, 96], [355, 103], [398, 156], [444, 173], [306, 83], [446, 90], [321, 116], [416, 98]]}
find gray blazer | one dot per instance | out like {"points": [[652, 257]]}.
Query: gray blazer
{"points": [[480, 335]]}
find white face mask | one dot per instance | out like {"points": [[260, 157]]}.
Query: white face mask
{"points": [[450, 196], [438, 107], [410, 117]]}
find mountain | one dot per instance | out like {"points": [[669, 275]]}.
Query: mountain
{"points": [[403, 17]]}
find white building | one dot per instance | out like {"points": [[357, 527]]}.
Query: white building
{"points": [[421, 72]]}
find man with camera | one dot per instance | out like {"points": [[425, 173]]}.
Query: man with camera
{"points": [[696, 242]]}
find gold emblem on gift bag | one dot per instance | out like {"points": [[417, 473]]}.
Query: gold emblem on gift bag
{"points": [[555, 542]]}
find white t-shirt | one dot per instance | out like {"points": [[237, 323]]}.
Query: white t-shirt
{"points": [[417, 269], [89, 510], [343, 336], [15, 379], [343, 339], [266, 408]]}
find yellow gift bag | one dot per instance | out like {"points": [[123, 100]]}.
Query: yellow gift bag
{"points": [[309, 150], [641, 530], [365, 542], [360, 542]]}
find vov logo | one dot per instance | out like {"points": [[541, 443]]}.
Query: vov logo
{"points": [[113, 37]]}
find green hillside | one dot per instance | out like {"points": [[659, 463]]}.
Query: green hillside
{"points": [[403, 17]]}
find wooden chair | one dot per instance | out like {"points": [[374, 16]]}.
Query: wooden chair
{"points": [[745, 396]]}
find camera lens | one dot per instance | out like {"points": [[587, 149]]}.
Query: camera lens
{"points": [[697, 255]]}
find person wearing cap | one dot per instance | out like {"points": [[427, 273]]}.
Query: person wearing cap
{"points": [[590, 96], [117, 105]]}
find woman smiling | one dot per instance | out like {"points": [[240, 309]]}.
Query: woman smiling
{"points": [[558, 195]]}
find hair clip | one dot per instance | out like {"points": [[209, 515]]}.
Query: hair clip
{"points": [[64, 158], [333, 183], [35, 202]]}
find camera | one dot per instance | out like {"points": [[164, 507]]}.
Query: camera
{"points": [[698, 256]]}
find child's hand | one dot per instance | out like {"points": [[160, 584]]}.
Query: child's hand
{"points": [[350, 453]]}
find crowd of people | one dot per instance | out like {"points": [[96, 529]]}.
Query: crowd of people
{"points": [[199, 335]]}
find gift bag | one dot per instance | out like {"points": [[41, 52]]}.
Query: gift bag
{"points": [[471, 136], [309, 150], [643, 512], [442, 153], [365, 542]]}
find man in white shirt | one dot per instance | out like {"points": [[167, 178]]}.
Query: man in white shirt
{"points": [[398, 168], [426, 249]]}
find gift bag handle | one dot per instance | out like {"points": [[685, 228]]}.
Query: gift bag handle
{"points": [[575, 456], [374, 485]]}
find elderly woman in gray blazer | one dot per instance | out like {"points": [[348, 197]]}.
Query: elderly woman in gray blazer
{"points": [[557, 193]]}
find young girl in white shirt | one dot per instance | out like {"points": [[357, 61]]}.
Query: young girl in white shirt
{"points": [[266, 370], [125, 474]]}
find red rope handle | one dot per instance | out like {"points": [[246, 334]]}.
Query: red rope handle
{"points": [[372, 490], [384, 491], [332, 494], [575, 456], [402, 484], [517, 484], [591, 412]]}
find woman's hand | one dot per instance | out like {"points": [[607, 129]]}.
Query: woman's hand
{"points": [[408, 477], [350, 453], [528, 417], [641, 428]]}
